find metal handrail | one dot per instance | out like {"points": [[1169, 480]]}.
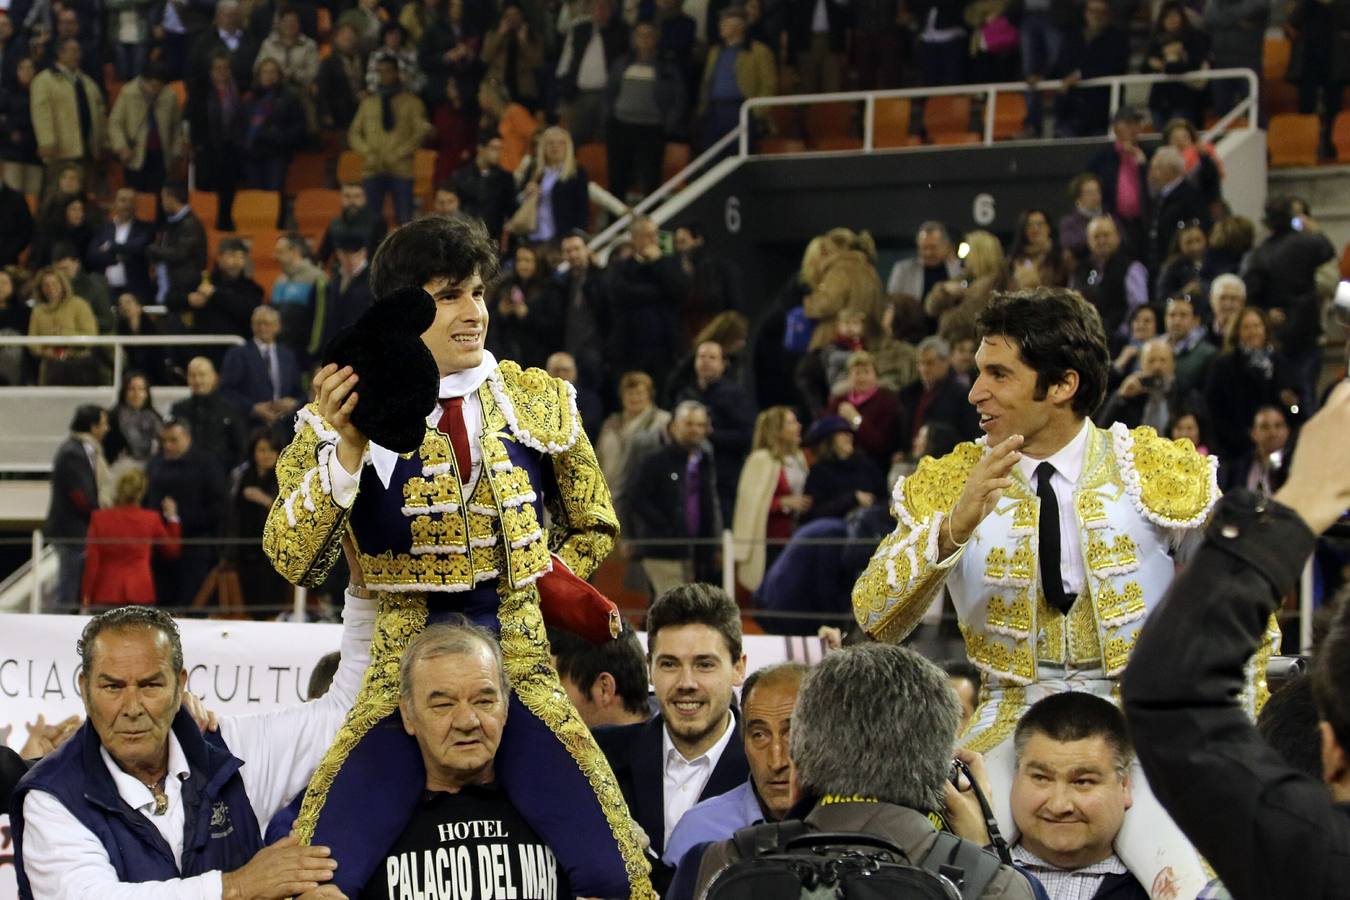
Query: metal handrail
{"points": [[1114, 82], [120, 341], [602, 240]]}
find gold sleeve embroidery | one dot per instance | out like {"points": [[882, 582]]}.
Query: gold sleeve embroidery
{"points": [[585, 525], [303, 534]]}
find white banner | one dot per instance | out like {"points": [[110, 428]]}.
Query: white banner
{"points": [[237, 667]]}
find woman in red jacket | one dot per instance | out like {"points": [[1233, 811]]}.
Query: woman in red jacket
{"points": [[119, 543]]}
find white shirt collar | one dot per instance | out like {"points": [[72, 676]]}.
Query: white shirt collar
{"points": [[456, 384], [709, 757], [132, 789], [1068, 461]]}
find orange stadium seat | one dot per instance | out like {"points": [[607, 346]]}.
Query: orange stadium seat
{"points": [[1292, 140], [890, 124], [1275, 58], [180, 91], [1010, 113], [1340, 135], [1345, 261], [955, 138], [424, 169], [829, 120], [308, 170], [770, 146], [256, 210], [594, 158], [785, 121], [148, 204], [836, 142], [325, 22], [314, 209], [945, 115], [349, 166], [205, 205]]}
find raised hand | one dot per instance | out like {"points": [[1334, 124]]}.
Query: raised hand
{"points": [[989, 478], [284, 869]]}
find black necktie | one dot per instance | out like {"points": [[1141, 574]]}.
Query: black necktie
{"points": [[386, 111], [83, 113], [1051, 580]]}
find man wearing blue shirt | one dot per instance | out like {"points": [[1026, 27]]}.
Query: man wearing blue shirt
{"points": [[766, 703]]}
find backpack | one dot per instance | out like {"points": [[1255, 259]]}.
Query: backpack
{"points": [[790, 860]]}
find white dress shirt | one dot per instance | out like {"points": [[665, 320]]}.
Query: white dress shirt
{"points": [[280, 750], [116, 274], [457, 384], [685, 779], [1068, 464]]}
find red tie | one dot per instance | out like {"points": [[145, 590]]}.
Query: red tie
{"points": [[452, 426]]}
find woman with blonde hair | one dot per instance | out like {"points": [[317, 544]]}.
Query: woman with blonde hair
{"points": [[847, 278], [558, 188], [957, 304], [60, 313], [120, 541], [639, 420], [771, 494]]}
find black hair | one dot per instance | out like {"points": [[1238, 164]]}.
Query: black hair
{"points": [[696, 604], [1055, 331], [256, 437], [178, 190], [453, 247], [584, 662], [86, 417], [154, 70], [124, 617], [393, 25], [65, 249], [1274, 407], [577, 233], [321, 679], [126, 383], [1279, 214], [172, 422], [1288, 722], [1077, 716]]}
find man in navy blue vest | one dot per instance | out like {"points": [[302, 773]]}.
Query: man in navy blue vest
{"points": [[141, 803]]}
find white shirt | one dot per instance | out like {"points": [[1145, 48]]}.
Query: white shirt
{"points": [[1068, 463], [280, 750], [592, 76], [457, 384], [116, 274], [684, 779]]}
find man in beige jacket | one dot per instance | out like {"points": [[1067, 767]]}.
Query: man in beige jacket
{"points": [[69, 118], [145, 130], [388, 128]]}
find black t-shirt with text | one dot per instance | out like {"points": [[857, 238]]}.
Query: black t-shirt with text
{"points": [[472, 845]]}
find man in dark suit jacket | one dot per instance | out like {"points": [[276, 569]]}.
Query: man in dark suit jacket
{"points": [[74, 496], [117, 250], [1176, 202], [937, 396], [656, 501], [1128, 202], [262, 378], [197, 484], [179, 252], [217, 427], [692, 749], [349, 294], [485, 189], [18, 231]]}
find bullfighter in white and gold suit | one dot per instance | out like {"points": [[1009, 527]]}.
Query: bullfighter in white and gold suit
{"points": [[1128, 506]]}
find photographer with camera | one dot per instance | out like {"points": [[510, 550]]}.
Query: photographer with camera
{"points": [[1279, 833], [854, 796], [1151, 395]]}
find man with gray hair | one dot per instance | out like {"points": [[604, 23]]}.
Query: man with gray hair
{"points": [[1227, 296], [465, 837], [937, 396], [672, 502], [1176, 203], [935, 262], [872, 741]]}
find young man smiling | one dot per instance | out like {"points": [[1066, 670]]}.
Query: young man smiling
{"points": [[692, 750], [457, 527], [1056, 539]]}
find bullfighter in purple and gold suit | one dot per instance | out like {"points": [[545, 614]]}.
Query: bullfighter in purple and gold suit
{"points": [[456, 526]]}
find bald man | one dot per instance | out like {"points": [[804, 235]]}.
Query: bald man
{"points": [[262, 378], [217, 426]]}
